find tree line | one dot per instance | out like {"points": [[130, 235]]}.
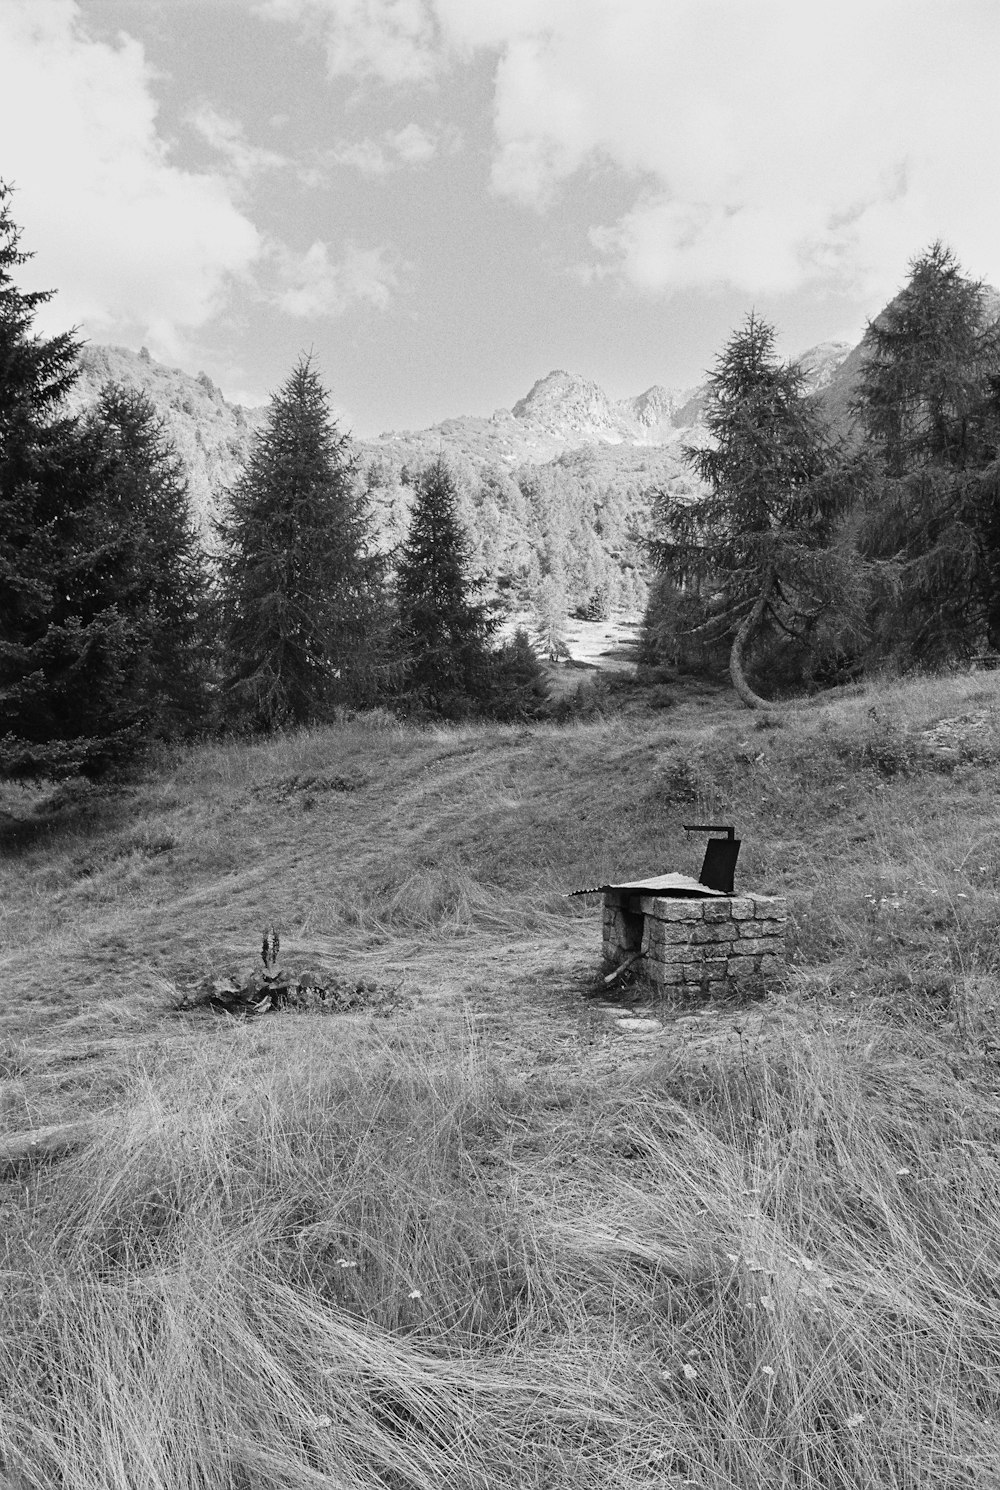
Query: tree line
{"points": [[117, 628], [817, 549], [806, 550]]}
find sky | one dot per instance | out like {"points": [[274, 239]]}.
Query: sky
{"points": [[443, 200]]}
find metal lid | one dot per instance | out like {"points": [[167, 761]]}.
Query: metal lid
{"points": [[677, 886]]}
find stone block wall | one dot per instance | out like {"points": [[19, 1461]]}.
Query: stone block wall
{"points": [[715, 945]]}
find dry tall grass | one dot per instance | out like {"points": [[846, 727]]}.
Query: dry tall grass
{"points": [[322, 1251], [317, 1261]]}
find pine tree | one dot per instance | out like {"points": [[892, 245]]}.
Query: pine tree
{"points": [[760, 543], [442, 631], [300, 587], [80, 687]]}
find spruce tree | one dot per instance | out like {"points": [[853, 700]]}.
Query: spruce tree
{"points": [[519, 688], [300, 588], [442, 632], [80, 648], [155, 568]]}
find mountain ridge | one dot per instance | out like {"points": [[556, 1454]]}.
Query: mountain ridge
{"points": [[562, 416], [557, 489]]}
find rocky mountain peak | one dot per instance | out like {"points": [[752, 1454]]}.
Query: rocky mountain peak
{"points": [[821, 362], [651, 407], [566, 399]]}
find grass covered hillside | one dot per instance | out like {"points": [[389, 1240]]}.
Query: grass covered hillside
{"points": [[472, 1232]]}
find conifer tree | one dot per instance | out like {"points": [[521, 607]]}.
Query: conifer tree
{"points": [[927, 400], [760, 541], [156, 567], [924, 391], [519, 688], [81, 585], [442, 632], [551, 613], [300, 587]]}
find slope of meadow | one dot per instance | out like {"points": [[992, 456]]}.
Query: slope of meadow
{"points": [[493, 1239]]}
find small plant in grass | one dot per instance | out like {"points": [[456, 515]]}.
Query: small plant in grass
{"points": [[271, 987], [886, 747]]}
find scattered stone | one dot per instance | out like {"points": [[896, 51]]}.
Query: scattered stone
{"points": [[639, 1026], [967, 737]]}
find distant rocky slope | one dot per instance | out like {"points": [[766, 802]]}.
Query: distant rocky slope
{"points": [[561, 413], [211, 435], [560, 484]]}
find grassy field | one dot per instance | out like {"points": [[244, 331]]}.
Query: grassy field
{"points": [[492, 1239]]}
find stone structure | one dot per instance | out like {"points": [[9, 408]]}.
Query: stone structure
{"points": [[716, 944]]}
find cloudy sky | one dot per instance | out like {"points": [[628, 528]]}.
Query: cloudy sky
{"points": [[444, 199]]}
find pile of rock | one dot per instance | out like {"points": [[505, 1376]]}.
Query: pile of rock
{"points": [[967, 737]]}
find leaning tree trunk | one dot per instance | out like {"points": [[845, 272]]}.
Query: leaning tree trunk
{"points": [[749, 626]]}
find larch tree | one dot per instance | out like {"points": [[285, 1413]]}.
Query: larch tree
{"points": [[928, 403], [300, 584], [929, 358], [551, 609], [758, 543]]}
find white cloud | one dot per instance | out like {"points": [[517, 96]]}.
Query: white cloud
{"points": [[226, 136], [768, 143], [771, 144], [410, 146], [312, 284], [413, 145], [389, 39], [137, 248], [370, 157]]}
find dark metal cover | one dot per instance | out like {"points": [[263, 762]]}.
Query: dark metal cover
{"points": [[718, 869]]}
